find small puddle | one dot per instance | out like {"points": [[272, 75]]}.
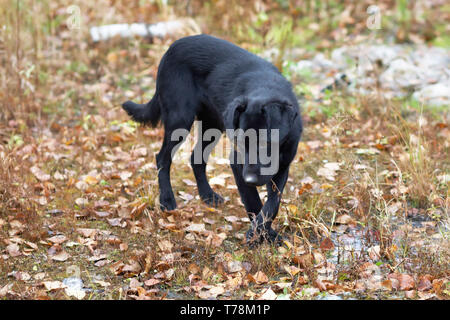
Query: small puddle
{"points": [[349, 244]]}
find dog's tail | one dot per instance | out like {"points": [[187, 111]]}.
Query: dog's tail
{"points": [[149, 113]]}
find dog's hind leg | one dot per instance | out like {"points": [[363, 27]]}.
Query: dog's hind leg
{"points": [[179, 105], [163, 162], [175, 133], [199, 159]]}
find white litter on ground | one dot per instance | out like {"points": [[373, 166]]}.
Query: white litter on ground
{"points": [[399, 70]]}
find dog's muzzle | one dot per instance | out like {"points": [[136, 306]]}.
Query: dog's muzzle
{"points": [[251, 179]]}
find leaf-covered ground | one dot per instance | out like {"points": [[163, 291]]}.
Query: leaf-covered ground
{"points": [[364, 213]]}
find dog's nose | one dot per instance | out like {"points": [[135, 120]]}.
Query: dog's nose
{"points": [[251, 179]]}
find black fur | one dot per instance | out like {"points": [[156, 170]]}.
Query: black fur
{"points": [[225, 87], [144, 113]]}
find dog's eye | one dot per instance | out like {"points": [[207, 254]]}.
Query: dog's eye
{"points": [[273, 105]]}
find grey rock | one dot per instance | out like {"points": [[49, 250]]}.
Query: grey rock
{"points": [[434, 95]]}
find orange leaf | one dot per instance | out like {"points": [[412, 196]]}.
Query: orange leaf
{"points": [[327, 244], [260, 277]]}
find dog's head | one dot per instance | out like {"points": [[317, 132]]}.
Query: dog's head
{"points": [[258, 126]]}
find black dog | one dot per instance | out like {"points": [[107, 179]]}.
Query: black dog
{"points": [[225, 87]]}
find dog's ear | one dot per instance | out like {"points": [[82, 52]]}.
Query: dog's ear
{"points": [[291, 110], [233, 111]]}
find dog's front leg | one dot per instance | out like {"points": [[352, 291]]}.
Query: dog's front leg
{"points": [[261, 227], [249, 195]]}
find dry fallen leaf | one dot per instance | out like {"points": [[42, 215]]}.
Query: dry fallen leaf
{"points": [[320, 285], [39, 174], [219, 180], [405, 281], [424, 284], [328, 171], [13, 250], [387, 284], [125, 175], [53, 285], [410, 294], [58, 239], [87, 232], [268, 295], [90, 180], [193, 268], [62, 256], [374, 252], [211, 293], [81, 202], [326, 244], [135, 283], [260, 277], [189, 182], [165, 245], [20, 276], [232, 219], [304, 260], [196, 227], [151, 282], [292, 270], [117, 222], [5, 289], [78, 293], [345, 219], [233, 266]]}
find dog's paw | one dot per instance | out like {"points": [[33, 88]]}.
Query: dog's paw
{"points": [[167, 203], [255, 237], [213, 199], [275, 238]]}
